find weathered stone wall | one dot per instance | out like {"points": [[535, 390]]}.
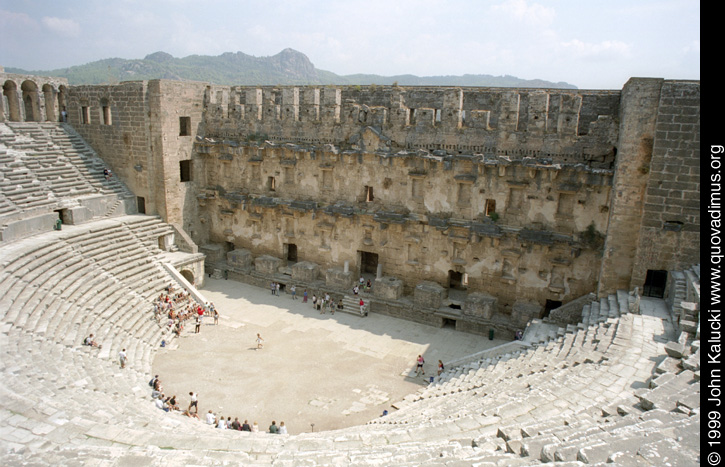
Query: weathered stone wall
{"points": [[175, 114], [568, 126], [669, 237], [508, 190], [655, 219], [122, 139]]}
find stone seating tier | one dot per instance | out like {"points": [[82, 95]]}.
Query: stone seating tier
{"points": [[542, 404], [43, 163]]}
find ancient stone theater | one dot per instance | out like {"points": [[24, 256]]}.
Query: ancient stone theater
{"points": [[566, 221]]}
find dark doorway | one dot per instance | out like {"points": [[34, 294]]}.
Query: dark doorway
{"points": [[368, 263], [141, 204], [449, 323], [291, 252], [455, 280], [550, 305], [655, 283]]}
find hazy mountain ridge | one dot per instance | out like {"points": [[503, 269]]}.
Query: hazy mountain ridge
{"points": [[285, 68]]}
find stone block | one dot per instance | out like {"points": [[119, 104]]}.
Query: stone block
{"points": [[214, 252], [479, 305], [267, 264], [688, 326], [305, 271], [675, 349], [388, 288], [338, 278], [240, 258], [429, 294], [523, 312]]}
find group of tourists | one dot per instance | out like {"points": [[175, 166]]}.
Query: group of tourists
{"points": [[325, 303], [171, 404], [179, 307]]}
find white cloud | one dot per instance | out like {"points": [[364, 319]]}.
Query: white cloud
{"points": [[64, 27], [605, 50], [532, 14]]}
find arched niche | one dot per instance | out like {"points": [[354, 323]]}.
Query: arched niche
{"points": [[31, 102], [11, 105], [49, 100]]}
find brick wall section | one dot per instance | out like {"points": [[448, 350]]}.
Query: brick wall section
{"points": [[669, 238], [638, 117], [124, 144]]}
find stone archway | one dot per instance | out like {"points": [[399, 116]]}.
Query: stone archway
{"points": [[62, 92], [10, 96], [48, 99], [30, 101], [188, 275]]}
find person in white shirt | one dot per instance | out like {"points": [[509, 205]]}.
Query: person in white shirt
{"points": [[210, 418]]}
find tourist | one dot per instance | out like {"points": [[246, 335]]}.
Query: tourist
{"points": [[260, 341], [91, 342], [355, 290], [255, 427], [191, 415], [304, 297], [236, 425], [369, 285], [221, 424], [273, 428], [245, 426], [210, 418], [362, 307], [153, 381], [194, 402], [216, 317], [282, 429], [273, 287], [122, 358], [293, 291], [339, 305], [362, 281], [159, 403], [172, 403], [419, 366], [277, 289], [64, 115], [197, 328], [440, 367], [314, 301]]}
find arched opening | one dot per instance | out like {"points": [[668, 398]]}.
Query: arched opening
{"points": [[188, 275], [105, 111], [30, 101], [10, 98], [50, 110], [62, 111]]}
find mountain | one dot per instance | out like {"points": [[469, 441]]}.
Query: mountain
{"points": [[287, 67]]}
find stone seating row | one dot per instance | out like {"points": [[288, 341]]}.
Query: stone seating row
{"points": [[52, 289], [42, 166], [558, 386]]}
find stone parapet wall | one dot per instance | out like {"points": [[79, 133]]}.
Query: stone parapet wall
{"points": [[568, 125]]}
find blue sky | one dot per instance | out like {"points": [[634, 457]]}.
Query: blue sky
{"points": [[591, 44]]}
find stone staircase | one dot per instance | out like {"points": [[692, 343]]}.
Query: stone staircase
{"points": [[351, 304]]}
